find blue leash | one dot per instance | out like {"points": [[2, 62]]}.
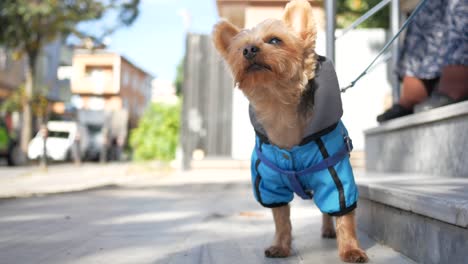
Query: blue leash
{"points": [[384, 49]]}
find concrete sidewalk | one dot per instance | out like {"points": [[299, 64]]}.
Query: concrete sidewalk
{"points": [[33, 180], [204, 216]]}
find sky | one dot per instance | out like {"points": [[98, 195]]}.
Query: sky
{"points": [[156, 40]]}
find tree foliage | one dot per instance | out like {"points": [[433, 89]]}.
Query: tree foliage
{"points": [[350, 10], [13, 102], [157, 134], [179, 81], [26, 26], [29, 24]]}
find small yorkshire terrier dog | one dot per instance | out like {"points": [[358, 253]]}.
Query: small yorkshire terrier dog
{"points": [[302, 146]]}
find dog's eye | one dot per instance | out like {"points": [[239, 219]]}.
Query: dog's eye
{"points": [[274, 41]]}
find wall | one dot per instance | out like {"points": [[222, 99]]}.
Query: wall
{"points": [[135, 90], [85, 81], [372, 93], [246, 13], [256, 14]]}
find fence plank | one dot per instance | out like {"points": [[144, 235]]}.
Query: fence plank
{"points": [[207, 106]]}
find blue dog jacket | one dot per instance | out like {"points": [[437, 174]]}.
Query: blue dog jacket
{"points": [[319, 166], [333, 188]]}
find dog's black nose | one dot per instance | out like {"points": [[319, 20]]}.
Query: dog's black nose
{"points": [[250, 52]]}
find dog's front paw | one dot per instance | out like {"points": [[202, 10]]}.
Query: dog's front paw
{"points": [[277, 252], [328, 233], [355, 255]]}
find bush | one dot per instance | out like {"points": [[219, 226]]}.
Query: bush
{"points": [[350, 10], [157, 134]]}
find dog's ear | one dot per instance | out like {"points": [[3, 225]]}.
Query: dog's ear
{"points": [[223, 34], [298, 17]]}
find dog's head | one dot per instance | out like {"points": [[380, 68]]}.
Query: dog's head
{"points": [[273, 51]]}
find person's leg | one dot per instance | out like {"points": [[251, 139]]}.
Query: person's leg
{"points": [[413, 92], [453, 88], [454, 77], [454, 82], [453, 85]]}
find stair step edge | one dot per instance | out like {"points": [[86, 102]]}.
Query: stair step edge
{"points": [[452, 211]]}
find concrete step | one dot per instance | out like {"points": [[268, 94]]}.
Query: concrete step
{"points": [[433, 142], [423, 217]]}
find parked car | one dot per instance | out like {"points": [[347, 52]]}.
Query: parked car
{"points": [[9, 148], [61, 138]]}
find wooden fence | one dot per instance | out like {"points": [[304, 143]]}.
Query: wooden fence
{"points": [[207, 101]]}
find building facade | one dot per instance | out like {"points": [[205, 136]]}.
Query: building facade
{"points": [[11, 73], [248, 13], [164, 91], [103, 80]]}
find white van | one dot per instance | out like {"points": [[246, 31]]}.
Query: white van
{"points": [[60, 140]]}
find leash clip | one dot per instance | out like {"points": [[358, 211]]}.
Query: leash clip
{"points": [[349, 143]]}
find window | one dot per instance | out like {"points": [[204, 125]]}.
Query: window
{"points": [[96, 103], [125, 103], [125, 79], [77, 101], [58, 134], [64, 72], [92, 69], [100, 76], [135, 82]]}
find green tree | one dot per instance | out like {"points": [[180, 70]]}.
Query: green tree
{"points": [[179, 81], [350, 10], [27, 25], [157, 134]]}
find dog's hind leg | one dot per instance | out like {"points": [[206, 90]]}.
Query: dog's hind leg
{"points": [[281, 247], [328, 229], [348, 246]]}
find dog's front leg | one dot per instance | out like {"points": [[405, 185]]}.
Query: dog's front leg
{"points": [[328, 230], [348, 246], [281, 247]]}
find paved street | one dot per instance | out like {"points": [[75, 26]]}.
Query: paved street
{"points": [[205, 216]]}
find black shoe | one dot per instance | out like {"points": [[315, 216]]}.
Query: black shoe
{"points": [[395, 111], [436, 99]]}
